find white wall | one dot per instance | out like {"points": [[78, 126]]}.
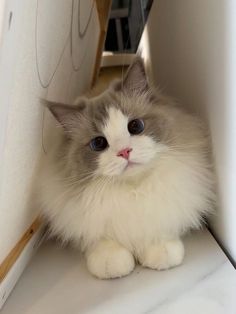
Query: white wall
{"points": [[190, 47], [36, 32]]}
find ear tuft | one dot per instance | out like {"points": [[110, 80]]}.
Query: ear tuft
{"points": [[135, 79], [66, 115]]}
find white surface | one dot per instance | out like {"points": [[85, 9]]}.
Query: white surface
{"points": [[15, 272], [190, 47], [22, 43], [57, 282], [116, 59]]}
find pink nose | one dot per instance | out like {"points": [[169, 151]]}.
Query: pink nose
{"points": [[125, 153]]}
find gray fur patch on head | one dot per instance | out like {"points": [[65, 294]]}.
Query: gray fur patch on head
{"points": [[86, 120]]}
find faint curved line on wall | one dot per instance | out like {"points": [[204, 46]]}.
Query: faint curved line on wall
{"points": [[77, 68], [42, 83], [83, 33]]}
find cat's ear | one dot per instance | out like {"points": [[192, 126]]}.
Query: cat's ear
{"points": [[66, 115], [135, 79]]}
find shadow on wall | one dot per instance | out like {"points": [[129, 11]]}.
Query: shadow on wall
{"points": [[188, 47]]}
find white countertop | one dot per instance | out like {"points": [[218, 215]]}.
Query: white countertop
{"points": [[57, 281]]}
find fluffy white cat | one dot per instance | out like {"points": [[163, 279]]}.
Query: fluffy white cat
{"points": [[128, 176]]}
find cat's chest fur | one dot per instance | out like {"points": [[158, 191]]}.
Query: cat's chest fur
{"points": [[129, 213]]}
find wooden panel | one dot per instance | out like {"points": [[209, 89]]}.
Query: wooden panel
{"points": [[16, 251], [103, 9]]}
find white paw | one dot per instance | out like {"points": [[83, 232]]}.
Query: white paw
{"points": [[164, 255], [110, 260]]}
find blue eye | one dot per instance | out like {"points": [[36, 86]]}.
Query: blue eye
{"points": [[98, 143], [136, 126]]}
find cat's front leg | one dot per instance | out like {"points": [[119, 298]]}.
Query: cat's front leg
{"points": [[163, 255], [108, 259]]}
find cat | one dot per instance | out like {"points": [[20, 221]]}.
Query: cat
{"points": [[129, 175]]}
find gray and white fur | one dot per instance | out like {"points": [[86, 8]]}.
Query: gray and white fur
{"points": [[133, 199]]}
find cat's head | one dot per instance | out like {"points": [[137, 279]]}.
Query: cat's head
{"points": [[117, 134]]}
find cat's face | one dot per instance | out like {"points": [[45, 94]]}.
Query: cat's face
{"points": [[117, 134], [124, 145]]}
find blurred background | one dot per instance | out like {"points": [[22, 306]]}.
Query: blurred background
{"points": [[126, 23]]}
